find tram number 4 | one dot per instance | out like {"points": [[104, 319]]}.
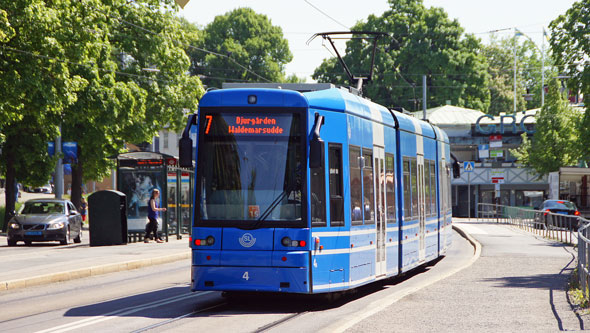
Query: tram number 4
{"points": [[246, 276]]}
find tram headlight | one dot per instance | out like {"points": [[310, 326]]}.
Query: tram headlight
{"points": [[210, 240], [286, 241]]}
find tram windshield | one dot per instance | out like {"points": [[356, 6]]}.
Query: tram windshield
{"points": [[250, 168]]}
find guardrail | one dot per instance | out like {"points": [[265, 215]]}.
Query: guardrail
{"points": [[551, 225], [584, 255], [564, 228]]}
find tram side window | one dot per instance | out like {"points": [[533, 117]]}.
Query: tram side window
{"points": [[443, 187], [427, 187], [390, 187], [336, 191], [356, 191], [368, 189], [433, 189], [414, 180], [318, 194], [448, 185], [407, 192]]}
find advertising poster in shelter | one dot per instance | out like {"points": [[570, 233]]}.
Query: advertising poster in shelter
{"points": [[138, 186]]}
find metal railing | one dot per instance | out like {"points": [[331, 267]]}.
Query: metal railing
{"points": [[584, 255], [546, 224], [569, 229]]}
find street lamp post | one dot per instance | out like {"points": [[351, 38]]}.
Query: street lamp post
{"points": [[542, 50]]}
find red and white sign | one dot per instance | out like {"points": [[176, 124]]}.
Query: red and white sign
{"points": [[495, 141], [497, 176]]}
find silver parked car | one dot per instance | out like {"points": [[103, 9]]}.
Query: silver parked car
{"points": [[42, 220]]}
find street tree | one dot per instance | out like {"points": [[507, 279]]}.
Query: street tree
{"points": [[570, 44], [35, 87], [138, 82], [247, 48], [554, 143], [499, 54], [423, 41]]}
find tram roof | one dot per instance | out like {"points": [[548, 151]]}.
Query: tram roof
{"points": [[334, 99], [343, 101]]}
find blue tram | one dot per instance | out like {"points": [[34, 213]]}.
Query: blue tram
{"points": [[313, 192]]}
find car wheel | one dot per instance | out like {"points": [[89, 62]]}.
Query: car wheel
{"points": [[66, 239], [78, 238], [11, 242], [28, 243]]}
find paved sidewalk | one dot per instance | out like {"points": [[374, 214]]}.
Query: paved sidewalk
{"points": [[42, 263], [517, 285]]}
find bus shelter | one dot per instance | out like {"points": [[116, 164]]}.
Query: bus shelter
{"points": [[138, 174]]}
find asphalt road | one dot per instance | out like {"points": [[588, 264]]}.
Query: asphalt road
{"points": [[158, 299], [517, 285]]}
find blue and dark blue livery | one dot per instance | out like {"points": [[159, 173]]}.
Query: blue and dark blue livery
{"points": [[314, 192]]}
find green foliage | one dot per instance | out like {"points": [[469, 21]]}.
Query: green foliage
{"points": [[79, 65], [3, 210], [554, 143], [6, 31], [425, 41], [248, 38], [33, 90], [500, 57], [571, 49]]}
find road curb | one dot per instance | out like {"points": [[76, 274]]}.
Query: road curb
{"points": [[476, 245], [382, 304], [90, 271]]}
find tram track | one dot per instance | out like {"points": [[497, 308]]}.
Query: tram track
{"points": [[172, 320], [276, 323]]}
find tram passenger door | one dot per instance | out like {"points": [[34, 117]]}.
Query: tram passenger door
{"points": [[381, 224], [421, 208]]}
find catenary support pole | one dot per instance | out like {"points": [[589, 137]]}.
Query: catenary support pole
{"points": [[424, 97], [59, 169]]}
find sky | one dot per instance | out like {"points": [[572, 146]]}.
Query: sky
{"points": [[299, 19]]}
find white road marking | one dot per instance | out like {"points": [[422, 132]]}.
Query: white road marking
{"points": [[119, 313]]}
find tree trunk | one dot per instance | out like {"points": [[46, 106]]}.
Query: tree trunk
{"points": [[10, 193], [77, 176]]}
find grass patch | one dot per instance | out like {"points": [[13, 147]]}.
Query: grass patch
{"points": [[3, 209], [578, 297]]}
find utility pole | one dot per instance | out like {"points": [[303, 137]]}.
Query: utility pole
{"points": [[59, 169], [424, 97], [543, 68], [515, 43]]}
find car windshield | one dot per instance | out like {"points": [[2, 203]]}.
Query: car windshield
{"points": [[560, 205], [43, 208], [250, 167]]}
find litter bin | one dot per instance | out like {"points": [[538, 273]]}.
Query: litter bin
{"points": [[107, 211]]}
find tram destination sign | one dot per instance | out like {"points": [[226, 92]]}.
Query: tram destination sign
{"points": [[243, 125]]}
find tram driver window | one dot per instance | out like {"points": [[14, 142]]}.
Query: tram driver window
{"points": [[318, 194]]}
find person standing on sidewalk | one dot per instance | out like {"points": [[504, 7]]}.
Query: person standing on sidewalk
{"points": [[153, 214], [83, 208]]}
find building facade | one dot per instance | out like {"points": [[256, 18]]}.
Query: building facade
{"points": [[487, 141]]}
